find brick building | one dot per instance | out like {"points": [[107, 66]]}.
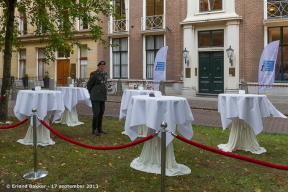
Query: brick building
{"points": [[205, 28]]}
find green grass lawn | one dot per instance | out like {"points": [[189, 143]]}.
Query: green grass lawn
{"points": [[110, 170]]}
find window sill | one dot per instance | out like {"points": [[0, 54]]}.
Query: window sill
{"points": [[209, 12]]}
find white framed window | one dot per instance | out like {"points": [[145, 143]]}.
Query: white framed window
{"points": [[210, 5], [83, 61], [23, 23], [41, 63], [61, 55], [153, 44], [22, 63], [120, 58], [83, 22], [155, 18]]}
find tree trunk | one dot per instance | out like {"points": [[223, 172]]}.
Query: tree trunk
{"points": [[6, 81]]}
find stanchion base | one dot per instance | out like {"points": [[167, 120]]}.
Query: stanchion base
{"points": [[35, 175]]}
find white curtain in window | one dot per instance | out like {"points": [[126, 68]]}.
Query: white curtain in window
{"points": [[124, 64], [159, 42], [83, 68], [116, 42], [41, 53], [41, 63], [124, 44], [150, 42], [84, 51], [150, 63], [22, 68], [116, 65], [41, 69]]}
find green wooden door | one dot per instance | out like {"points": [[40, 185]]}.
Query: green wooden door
{"points": [[211, 72]]}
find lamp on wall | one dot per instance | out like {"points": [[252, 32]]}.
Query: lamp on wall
{"points": [[230, 53], [185, 56], [169, 28], [272, 8]]}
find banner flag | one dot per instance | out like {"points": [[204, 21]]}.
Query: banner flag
{"points": [[266, 72], [160, 66]]}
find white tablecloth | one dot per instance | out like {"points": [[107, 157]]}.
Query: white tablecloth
{"points": [[126, 97], [151, 111], [71, 97], [47, 103], [246, 111]]}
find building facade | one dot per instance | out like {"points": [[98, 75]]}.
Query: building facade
{"points": [[205, 29]]}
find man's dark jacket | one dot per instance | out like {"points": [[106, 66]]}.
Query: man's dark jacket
{"points": [[97, 86]]}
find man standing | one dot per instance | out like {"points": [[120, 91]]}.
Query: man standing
{"points": [[98, 95]]}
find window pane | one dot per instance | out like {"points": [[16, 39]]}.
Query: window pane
{"points": [[124, 44], [150, 42], [150, 57], [116, 64], [23, 54], [274, 34], [41, 69], [285, 35], [204, 39], [116, 58], [124, 58], [124, 70], [218, 38], [159, 7], [204, 6], [159, 41], [149, 7], [216, 4], [150, 71], [116, 42], [83, 51], [41, 53], [22, 68]]}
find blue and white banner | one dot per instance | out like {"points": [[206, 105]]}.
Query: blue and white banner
{"points": [[266, 74], [160, 66]]}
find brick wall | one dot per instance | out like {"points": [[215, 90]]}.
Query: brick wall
{"points": [[175, 12], [251, 37]]}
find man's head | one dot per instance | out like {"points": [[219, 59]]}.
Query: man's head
{"points": [[101, 66]]}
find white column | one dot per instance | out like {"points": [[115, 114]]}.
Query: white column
{"points": [[231, 38], [190, 43]]}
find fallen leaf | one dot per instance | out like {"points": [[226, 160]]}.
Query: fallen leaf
{"points": [[110, 164]]}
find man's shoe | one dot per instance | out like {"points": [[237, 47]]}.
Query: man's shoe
{"points": [[101, 131], [96, 133]]}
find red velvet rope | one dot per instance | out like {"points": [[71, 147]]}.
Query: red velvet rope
{"points": [[249, 159], [1, 98], [96, 147], [14, 125]]}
